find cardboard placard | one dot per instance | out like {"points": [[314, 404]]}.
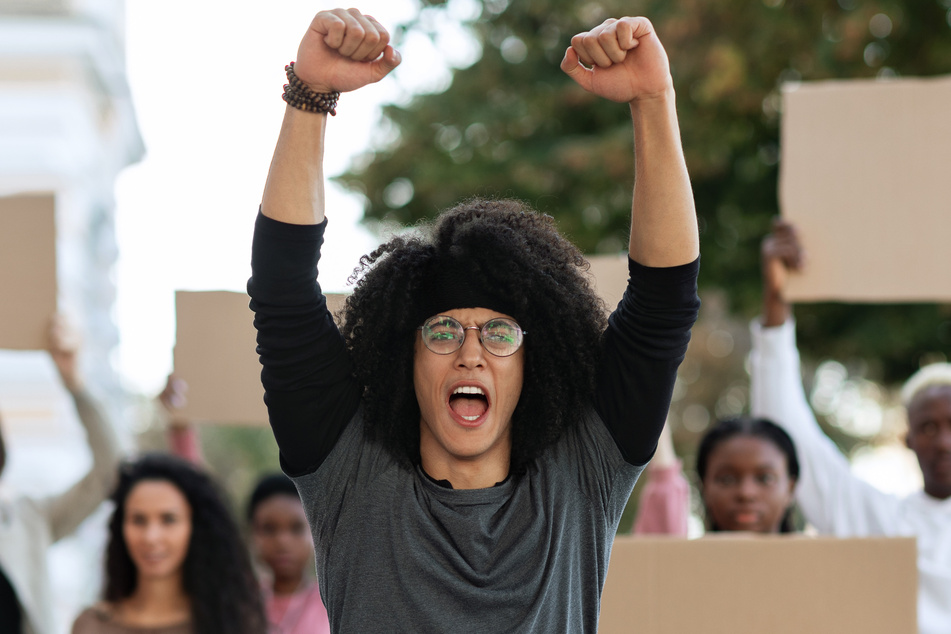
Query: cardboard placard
{"points": [[215, 354], [780, 584], [27, 270], [609, 275], [864, 178]]}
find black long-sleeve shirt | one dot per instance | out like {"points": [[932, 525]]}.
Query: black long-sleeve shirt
{"points": [[311, 393]]}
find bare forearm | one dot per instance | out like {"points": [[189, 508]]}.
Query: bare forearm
{"points": [[781, 254], [341, 51], [775, 308], [663, 215], [294, 192]]}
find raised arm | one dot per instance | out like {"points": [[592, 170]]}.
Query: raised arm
{"points": [[307, 376], [781, 253], [183, 440], [67, 510], [342, 50], [832, 499], [624, 61]]}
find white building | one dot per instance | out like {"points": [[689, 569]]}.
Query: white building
{"points": [[67, 126]]}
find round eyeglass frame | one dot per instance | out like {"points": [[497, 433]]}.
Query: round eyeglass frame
{"points": [[481, 330]]}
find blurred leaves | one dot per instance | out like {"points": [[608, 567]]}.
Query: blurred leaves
{"points": [[513, 125]]}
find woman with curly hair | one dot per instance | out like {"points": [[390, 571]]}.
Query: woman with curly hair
{"points": [[175, 561], [465, 446]]}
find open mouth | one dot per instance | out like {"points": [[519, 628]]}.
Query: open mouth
{"points": [[469, 402]]}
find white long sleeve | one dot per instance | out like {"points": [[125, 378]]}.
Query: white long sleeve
{"points": [[834, 500]]}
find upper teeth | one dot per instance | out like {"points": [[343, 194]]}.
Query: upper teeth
{"points": [[468, 389]]}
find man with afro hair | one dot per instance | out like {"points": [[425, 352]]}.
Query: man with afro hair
{"points": [[465, 445]]}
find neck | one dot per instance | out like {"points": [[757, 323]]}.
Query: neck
{"points": [[289, 585], [157, 601], [474, 474]]}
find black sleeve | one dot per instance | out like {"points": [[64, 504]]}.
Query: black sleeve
{"points": [[644, 344], [309, 387]]}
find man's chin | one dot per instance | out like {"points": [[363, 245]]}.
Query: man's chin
{"points": [[941, 469], [939, 484]]}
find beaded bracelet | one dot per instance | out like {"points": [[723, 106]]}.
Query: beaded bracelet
{"points": [[298, 95]]}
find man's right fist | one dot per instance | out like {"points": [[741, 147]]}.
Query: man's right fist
{"points": [[344, 50]]}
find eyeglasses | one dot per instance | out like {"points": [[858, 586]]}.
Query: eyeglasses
{"points": [[444, 335]]}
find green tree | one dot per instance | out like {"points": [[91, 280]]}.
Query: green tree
{"points": [[513, 125]]}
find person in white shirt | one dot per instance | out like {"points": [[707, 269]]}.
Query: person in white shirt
{"points": [[30, 525], [831, 498]]}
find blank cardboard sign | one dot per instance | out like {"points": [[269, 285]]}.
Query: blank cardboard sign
{"points": [[864, 177], [775, 584], [215, 354], [27, 270]]}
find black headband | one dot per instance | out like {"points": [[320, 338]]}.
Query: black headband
{"points": [[458, 280]]}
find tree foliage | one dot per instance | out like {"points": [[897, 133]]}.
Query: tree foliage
{"points": [[513, 125]]}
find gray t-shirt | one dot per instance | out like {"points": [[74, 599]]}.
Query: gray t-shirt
{"points": [[397, 552]]}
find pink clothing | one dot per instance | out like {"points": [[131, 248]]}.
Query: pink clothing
{"points": [[183, 442], [298, 613], [664, 506]]}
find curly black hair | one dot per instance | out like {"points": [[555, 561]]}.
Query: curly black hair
{"points": [[758, 428], [218, 578], [500, 249]]}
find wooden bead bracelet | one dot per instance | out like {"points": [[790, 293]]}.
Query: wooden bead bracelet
{"points": [[298, 95]]}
